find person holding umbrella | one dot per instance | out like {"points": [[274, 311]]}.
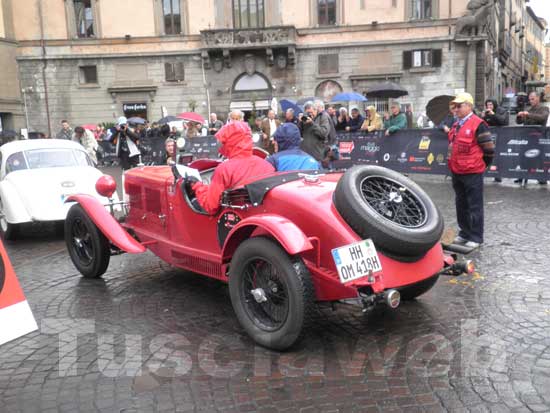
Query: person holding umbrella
{"points": [[396, 121]]}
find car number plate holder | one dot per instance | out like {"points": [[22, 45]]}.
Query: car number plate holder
{"points": [[356, 260]]}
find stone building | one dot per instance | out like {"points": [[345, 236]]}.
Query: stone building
{"points": [[91, 61], [11, 113], [534, 56]]}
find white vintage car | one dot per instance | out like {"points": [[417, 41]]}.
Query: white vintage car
{"points": [[36, 176]]}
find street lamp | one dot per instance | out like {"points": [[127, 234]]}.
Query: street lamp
{"points": [[25, 91]]}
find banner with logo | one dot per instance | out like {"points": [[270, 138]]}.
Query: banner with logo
{"points": [[521, 152]]}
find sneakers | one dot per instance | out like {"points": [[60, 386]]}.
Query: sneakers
{"points": [[472, 244], [459, 240]]}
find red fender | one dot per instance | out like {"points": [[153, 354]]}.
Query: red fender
{"points": [[107, 224], [291, 238]]}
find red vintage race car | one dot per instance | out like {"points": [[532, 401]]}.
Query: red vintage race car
{"points": [[282, 242]]}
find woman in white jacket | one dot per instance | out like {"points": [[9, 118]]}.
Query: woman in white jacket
{"points": [[86, 138]]}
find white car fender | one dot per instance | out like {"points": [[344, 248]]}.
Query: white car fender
{"points": [[14, 208]]}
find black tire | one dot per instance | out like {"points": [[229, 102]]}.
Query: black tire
{"points": [[9, 232], [398, 230], [289, 289], [410, 292], [88, 247]]}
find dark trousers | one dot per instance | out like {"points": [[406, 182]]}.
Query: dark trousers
{"points": [[469, 205]]}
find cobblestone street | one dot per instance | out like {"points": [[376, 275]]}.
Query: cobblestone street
{"points": [[147, 337]]}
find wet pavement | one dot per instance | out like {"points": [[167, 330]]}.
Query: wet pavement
{"points": [[147, 337]]}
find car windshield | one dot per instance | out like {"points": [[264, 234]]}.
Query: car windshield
{"points": [[46, 158]]}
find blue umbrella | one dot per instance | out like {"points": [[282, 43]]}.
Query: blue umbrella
{"points": [[289, 104], [136, 120], [349, 97]]}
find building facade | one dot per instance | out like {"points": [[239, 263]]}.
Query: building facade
{"points": [[91, 61], [11, 108], [534, 56]]}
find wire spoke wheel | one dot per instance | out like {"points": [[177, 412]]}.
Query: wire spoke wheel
{"points": [[81, 241], [393, 201], [265, 294]]}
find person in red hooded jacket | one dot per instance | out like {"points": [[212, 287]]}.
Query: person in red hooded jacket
{"points": [[236, 145]]}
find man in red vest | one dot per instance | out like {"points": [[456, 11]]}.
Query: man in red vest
{"points": [[471, 151]]}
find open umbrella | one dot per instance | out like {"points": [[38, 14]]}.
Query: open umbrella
{"points": [[349, 97], [136, 120], [167, 119], [289, 104], [8, 133], [191, 117], [386, 90], [302, 101], [438, 108], [89, 126]]}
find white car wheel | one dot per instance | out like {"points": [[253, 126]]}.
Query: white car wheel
{"points": [[7, 230]]}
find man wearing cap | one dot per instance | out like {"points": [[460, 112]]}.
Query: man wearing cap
{"points": [[396, 121], [471, 151], [126, 141]]}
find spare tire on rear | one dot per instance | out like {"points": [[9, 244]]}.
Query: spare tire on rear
{"points": [[389, 208]]}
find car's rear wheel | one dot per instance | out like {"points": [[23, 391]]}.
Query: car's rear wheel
{"points": [[410, 292], [271, 292], [8, 231], [389, 208], [88, 247]]}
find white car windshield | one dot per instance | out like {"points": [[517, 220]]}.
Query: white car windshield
{"points": [[46, 158]]}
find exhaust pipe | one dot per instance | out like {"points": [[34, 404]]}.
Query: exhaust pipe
{"points": [[392, 298]]}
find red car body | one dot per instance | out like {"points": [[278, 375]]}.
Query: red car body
{"points": [[298, 215]]}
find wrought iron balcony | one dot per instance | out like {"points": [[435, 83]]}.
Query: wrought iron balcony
{"points": [[278, 36]]}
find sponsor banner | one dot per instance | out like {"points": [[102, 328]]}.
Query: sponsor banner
{"points": [[16, 318], [521, 152]]}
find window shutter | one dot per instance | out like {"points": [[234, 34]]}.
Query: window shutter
{"points": [[407, 59], [169, 72], [179, 71], [437, 57]]}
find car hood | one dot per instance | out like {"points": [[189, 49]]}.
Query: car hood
{"points": [[43, 191]]}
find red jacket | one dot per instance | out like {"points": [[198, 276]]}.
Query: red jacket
{"points": [[465, 154], [236, 140]]}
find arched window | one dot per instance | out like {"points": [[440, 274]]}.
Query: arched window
{"points": [[248, 83]]}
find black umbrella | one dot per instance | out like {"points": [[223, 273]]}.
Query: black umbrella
{"points": [[167, 119], [386, 90], [438, 108], [7, 133]]}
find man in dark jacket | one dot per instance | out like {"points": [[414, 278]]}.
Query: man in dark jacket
{"points": [[236, 145], [318, 130], [356, 121], [290, 157], [494, 115], [126, 141], [536, 115]]}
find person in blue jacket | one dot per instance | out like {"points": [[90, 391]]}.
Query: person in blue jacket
{"points": [[290, 157]]}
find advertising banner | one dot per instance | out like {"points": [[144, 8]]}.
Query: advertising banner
{"points": [[521, 152]]}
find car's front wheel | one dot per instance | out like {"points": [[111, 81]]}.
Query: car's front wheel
{"points": [[88, 247], [271, 292], [8, 231]]}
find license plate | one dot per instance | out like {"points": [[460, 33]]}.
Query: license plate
{"points": [[356, 260]]}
